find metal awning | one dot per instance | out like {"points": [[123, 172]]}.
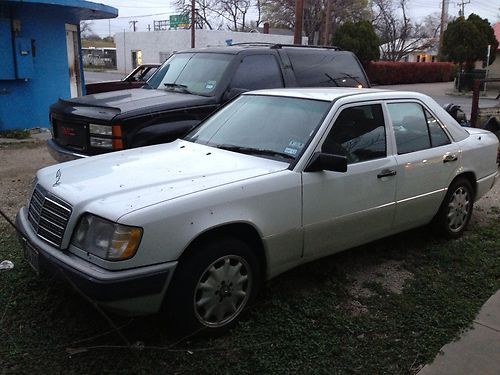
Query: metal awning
{"points": [[83, 10]]}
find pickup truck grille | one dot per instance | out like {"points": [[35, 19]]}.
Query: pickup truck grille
{"points": [[48, 215], [71, 134]]}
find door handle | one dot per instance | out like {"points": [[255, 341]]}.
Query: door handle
{"points": [[387, 173], [449, 158]]}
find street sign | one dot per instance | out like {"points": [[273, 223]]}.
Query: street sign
{"points": [[180, 21]]}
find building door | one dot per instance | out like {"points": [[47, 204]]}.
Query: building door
{"points": [[75, 80], [136, 59]]}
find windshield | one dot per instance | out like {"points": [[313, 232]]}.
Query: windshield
{"points": [[194, 73], [267, 126]]}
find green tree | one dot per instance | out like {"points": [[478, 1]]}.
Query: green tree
{"points": [[466, 41], [360, 38]]}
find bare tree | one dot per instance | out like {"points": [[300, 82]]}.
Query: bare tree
{"points": [[399, 35], [86, 28], [216, 14], [204, 15], [281, 13]]}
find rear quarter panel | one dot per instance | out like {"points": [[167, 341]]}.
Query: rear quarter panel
{"points": [[479, 155]]}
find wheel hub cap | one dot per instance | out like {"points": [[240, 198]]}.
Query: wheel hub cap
{"points": [[458, 209], [222, 291]]}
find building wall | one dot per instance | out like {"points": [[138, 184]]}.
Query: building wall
{"points": [[154, 44], [24, 103]]}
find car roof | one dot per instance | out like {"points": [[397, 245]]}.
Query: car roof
{"points": [[239, 47], [333, 93], [317, 93]]}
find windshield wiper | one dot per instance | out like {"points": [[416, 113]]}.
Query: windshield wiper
{"points": [[183, 88], [255, 151], [344, 75]]}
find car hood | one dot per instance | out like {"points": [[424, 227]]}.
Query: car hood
{"points": [[115, 184], [132, 100]]}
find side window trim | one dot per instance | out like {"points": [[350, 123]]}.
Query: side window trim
{"points": [[425, 110], [389, 148], [394, 101]]}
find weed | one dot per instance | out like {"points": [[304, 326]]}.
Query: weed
{"points": [[302, 323]]}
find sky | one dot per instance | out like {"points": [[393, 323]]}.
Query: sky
{"points": [[146, 11]]}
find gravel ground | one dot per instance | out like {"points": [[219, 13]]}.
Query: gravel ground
{"points": [[20, 161]]}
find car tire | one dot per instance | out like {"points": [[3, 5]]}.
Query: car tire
{"points": [[211, 287], [456, 209]]}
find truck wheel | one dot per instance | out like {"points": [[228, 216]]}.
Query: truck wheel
{"points": [[456, 209], [211, 287]]}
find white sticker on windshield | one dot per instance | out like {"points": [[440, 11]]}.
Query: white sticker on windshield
{"points": [[210, 85], [290, 151]]}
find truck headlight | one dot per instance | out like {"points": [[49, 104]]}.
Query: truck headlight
{"points": [[100, 129], [106, 239], [101, 142]]}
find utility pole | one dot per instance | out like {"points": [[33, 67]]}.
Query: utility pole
{"points": [[133, 24], [299, 12], [193, 11], [444, 17], [328, 22], [462, 5]]}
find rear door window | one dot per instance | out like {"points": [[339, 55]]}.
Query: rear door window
{"points": [[258, 72], [326, 68], [415, 128]]}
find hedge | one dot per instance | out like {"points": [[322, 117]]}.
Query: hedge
{"points": [[392, 73]]}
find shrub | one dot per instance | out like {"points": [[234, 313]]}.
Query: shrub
{"points": [[392, 73]]}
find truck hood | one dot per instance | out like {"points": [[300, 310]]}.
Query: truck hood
{"points": [[116, 102], [112, 185]]}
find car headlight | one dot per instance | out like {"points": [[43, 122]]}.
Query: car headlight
{"points": [[106, 239]]}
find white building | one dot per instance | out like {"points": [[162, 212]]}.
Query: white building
{"points": [[419, 50], [134, 48]]}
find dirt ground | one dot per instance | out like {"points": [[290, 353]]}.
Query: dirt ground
{"points": [[21, 161]]}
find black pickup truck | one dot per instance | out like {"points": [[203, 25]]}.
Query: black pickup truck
{"points": [[188, 87]]}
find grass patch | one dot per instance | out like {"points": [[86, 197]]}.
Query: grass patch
{"points": [[300, 323]]}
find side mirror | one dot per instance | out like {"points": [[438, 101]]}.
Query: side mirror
{"points": [[232, 93], [327, 162]]}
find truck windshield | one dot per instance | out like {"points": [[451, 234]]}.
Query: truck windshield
{"points": [[266, 126], [194, 73]]}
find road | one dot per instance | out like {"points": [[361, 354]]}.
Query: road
{"points": [[438, 91], [91, 77]]}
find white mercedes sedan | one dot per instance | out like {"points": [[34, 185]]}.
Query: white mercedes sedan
{"points": [[274, 179]]}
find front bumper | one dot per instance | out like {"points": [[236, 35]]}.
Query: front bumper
{"points": [[61, 154], [131, 291]]}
